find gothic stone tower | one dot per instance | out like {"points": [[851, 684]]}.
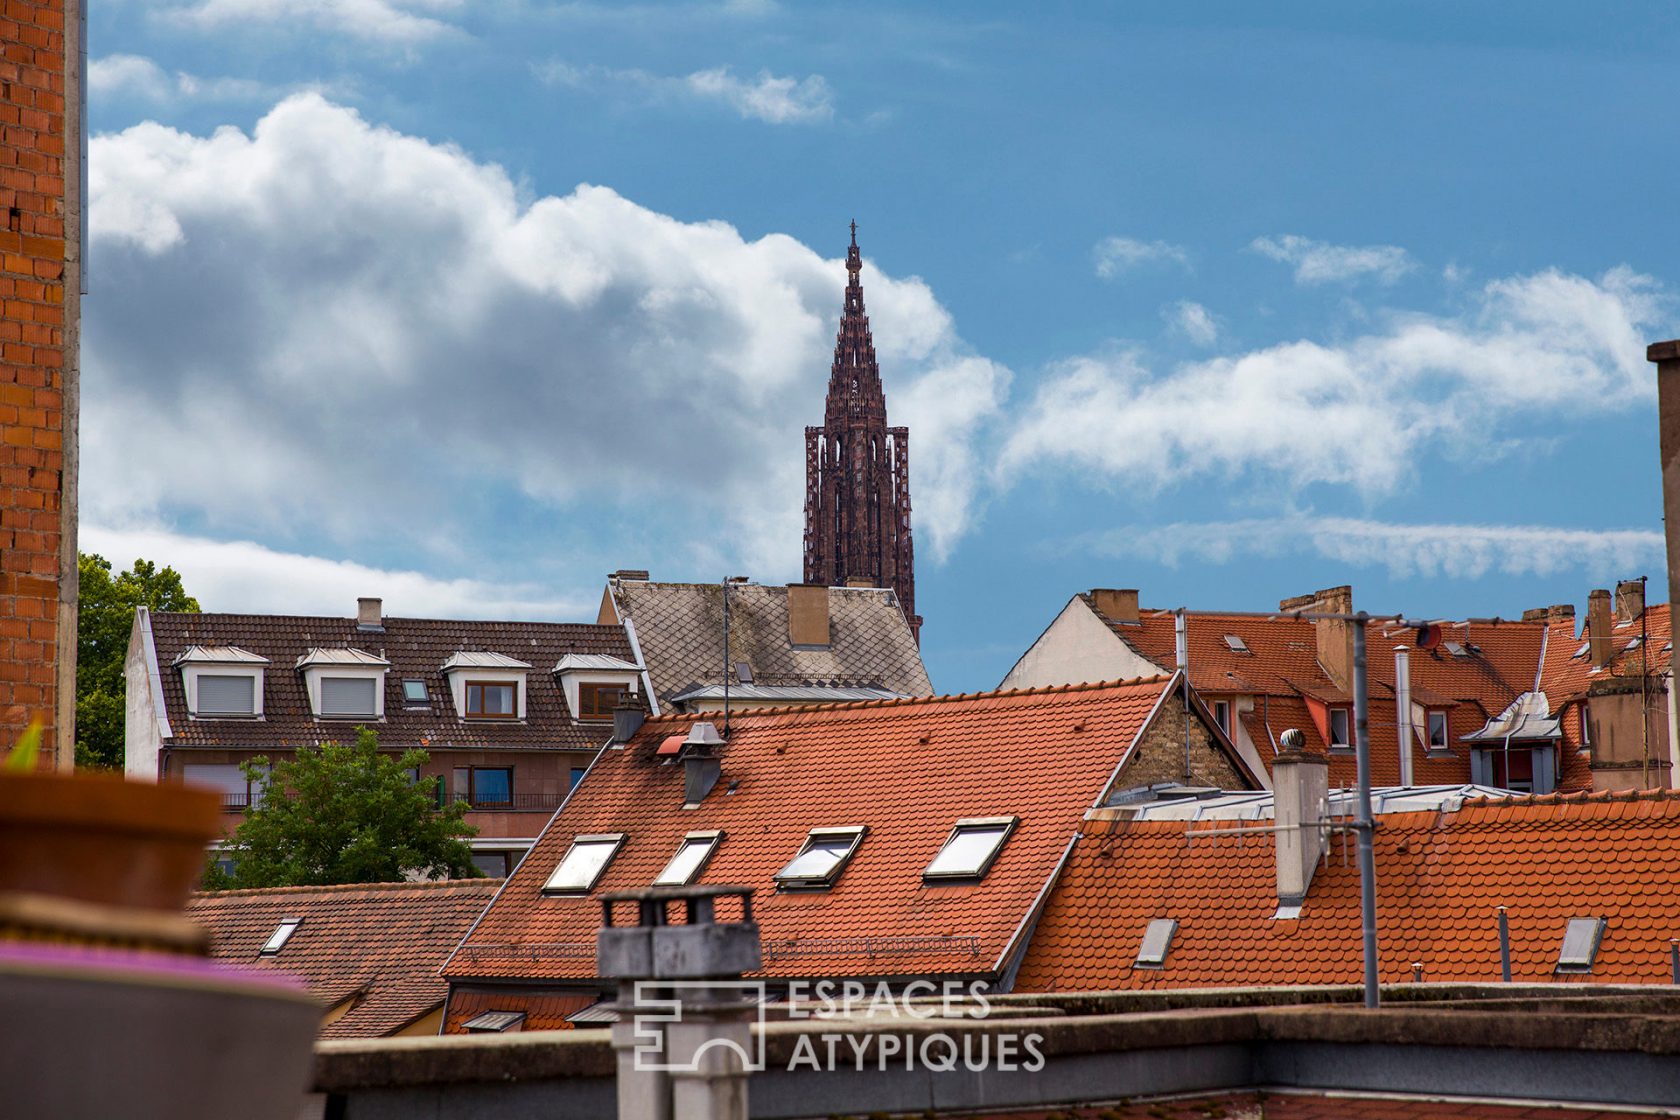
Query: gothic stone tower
{"points": [[857, 470]]}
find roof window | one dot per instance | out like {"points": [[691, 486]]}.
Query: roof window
{"points": [[1582, 652], [1157, 941], [584, 863], [277, 940], [1236, 644], [692, 856], [1455, 648], [415, 695], [495, 1022], [1580, 944], [822, 859], [970, 849], [743, 672]]}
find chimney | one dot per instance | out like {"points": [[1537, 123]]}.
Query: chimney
{"points": [[370, 614], [1116, 605], [701, 767], [1598, 626], [1537, 614], [628, 718], [1403, 710], [1333, 636], [1667, 357], [1562, 611], [635, 575], [1300, 789], [808, 614], [861, 581], [1630, 599]]}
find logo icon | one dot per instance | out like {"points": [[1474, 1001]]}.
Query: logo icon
{"points": [[714, 1008]]}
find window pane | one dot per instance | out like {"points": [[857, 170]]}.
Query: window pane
{"points": [[462, 788], [492, 787], [577, 774], [582, 866], [227, 778], [686, 863], [347, 696], [490, 699], [596, 701], [493, 864], [819, 859], [414, 692], [226, 695], [1338, 727], [967, 851], [1437, 729]]}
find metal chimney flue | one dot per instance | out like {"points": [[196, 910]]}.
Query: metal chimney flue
{"points": [[1403, 711]]}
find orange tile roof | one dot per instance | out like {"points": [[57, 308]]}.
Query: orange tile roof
{"points": [[543, 1011], [1439, 879], [380, 942], [1566, 674], [907, 769]]}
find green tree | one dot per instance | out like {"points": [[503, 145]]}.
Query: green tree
{"points": [[348, 814], [105, 606]]}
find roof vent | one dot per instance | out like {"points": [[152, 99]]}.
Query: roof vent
{"points": [[701, 768], [1157, 941], [1580, 944]]}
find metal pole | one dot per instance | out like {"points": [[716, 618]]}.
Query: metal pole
{"points": [[1365, 824], [1504, 947], [726, 658], [1674, 957]]}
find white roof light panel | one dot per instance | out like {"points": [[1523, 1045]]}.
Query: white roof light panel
{"points": [[282, 934], [494, 1021], [1157, 940], [584, 862], [691, 856], [1580, 944], [1236, 644], [970, 849]]}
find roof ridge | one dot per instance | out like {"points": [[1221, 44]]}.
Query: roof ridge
{"points": [[351, 619], [899, 701], [337, 888], [1574, 797]]}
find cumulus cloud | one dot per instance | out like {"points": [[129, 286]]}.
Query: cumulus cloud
{"points": [[1406, 551], [404, 23], [139, 78], [767, 97], [1114, 255], [246, 576], [329, 326], [1316, 262], [1193, 321], [1357, 412]]}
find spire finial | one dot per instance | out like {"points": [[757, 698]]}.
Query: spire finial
{"points": [[854, 232], [854, 259]]}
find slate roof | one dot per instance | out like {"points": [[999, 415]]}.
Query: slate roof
{"points": [[1282, 663], [679, 627], [382, 940], [1440, 877], [417, 648], [906, 769]]}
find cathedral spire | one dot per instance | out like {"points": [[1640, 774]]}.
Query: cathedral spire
{"points": [[857, 484]]}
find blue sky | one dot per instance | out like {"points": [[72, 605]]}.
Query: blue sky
{"points": [[468, 304]]}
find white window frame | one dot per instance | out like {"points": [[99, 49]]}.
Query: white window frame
{"points": [[1157, 943], [282, 934], [1429, 730], [711, 840], [255, 789], [409, 702], [572, 679], [460, 678], [190, 675], [855, 833], [314, 675], [1222, 715], [1347, 725], [588, 839], [971, 824]]}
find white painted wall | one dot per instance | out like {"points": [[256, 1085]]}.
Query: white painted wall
{"points": [[1078, 647], [142, 731]]}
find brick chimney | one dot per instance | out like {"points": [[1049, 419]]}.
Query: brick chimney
{"points": [[808, 614], [1334, 637], [1598, 626], [1630, 599], [1300, 788], [1667, 357], [1116, 605]]}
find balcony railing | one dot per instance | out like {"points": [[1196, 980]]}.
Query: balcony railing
{"points": [[547, 802]]}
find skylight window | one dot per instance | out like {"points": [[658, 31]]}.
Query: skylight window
{"points": [[692, 855], [1455, 648], [1157, 941], [281, 935], [495, 1022], [585, 861], [1582, 652], [1236, 644], [414, 693], [822, 859], [970, 849], [743, 672], [1580, 944]]}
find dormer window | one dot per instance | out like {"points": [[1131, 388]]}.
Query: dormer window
{"points": [[595, 683], [822, 859], [344, 683], [597, 700], [1340, 737], [222, 682], [487, 685], [1437, 731]]}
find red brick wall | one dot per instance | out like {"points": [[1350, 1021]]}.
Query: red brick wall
{"points": [[39, 154]]}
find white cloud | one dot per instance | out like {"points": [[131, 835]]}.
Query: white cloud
{"points": [[242, 576], [1317, 262], [1361, 413], [1406, 551], [330, 331], [404, 23], [768, 97], [136, 77], [1193, 321], [1114, 255]]}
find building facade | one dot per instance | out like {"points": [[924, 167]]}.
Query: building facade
{"points": [[857, 470]]}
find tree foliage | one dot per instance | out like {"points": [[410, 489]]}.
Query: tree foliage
{"points": [[105, 606], [348, 814]]}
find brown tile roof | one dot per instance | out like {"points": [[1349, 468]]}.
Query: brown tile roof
{"points": [[906, 769], [382, 942], [416, 649], [680, 629], [543, 1011], [1282, 663], [1439, 879]]}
